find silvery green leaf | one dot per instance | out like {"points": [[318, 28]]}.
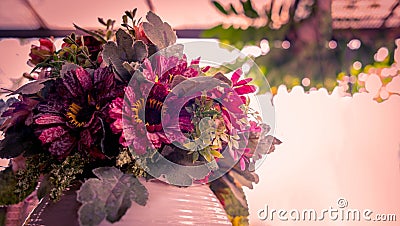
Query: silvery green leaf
{"points": [[91, 214], [140, 51], [109, 196], [118, 202], [177, 174], [139, 192], [88, 189], [158, 32], [68, 67], [30, 88], [172, 51], [124, 50]]}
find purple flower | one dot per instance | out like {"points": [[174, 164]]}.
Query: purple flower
{"points": [[75, 114], [18, 112]]}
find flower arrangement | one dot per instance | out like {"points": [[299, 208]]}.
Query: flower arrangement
{"points": [[114, 106]]}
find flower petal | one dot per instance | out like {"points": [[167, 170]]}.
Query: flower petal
{"points": [[84, 78], [62, 146], [51, 134], [72, 83], [236, 75], [242, 164], [49, 119], [245, 89], [243, 81], [195, 61], [206, 68], [148, 70]]}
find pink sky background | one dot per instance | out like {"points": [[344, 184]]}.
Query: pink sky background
{"points": [[60, 15]]}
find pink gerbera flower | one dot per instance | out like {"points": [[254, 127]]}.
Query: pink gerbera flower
{"points": [[138, 117]]}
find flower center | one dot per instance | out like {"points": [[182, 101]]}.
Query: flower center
{"points": [[78, 115], [153, 111], [149, 112]]}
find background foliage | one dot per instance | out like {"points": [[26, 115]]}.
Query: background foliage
{"points": [[297, 41]]}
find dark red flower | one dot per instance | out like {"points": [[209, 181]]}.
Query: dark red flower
{"points": [[74, 115], [140, 35], [39, 53]]}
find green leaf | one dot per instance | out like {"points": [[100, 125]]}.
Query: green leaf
{"points": [[67, 40], [8, 185], [177, 174], [110, 23], [216, 153], [158, 32], [195, 156], [101, 21], [124, 19], [248, 9], [134, 12], [207, 155], [30, 88], [233, 197], [90, 33], [233, 10], [219, 7], [124, 50], [128, 14], [109, 196]]}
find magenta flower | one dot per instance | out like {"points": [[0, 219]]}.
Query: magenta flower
{"points": [[139, 118], [73, 117], [139, 122], [242, 87], [167, 68]]}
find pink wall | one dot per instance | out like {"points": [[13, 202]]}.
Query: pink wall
{"points": [[333, 147]]}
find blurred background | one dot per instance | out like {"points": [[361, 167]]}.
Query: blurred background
{"points": [[309, 43], [333, 66]]}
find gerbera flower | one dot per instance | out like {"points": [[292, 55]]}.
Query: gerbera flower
{"points": [[164, 69], [74, 114], [139, 118]]}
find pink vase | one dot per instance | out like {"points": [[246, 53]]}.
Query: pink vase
{"points": [[167, 205]]}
